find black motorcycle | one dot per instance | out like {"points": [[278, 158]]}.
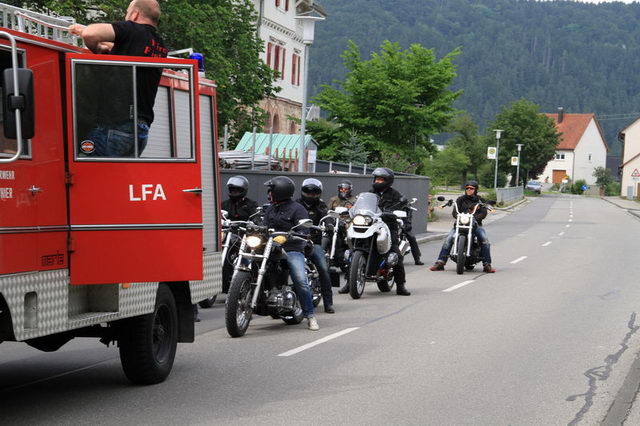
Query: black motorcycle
{"points": [[466, 249], [260, 283], [334, 242]]}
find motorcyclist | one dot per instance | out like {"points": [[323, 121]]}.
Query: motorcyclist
{"points": [[389, 200], [282, 215], [406, 229], [238, 206], [344, 197], [311, 192], [465, 203]]}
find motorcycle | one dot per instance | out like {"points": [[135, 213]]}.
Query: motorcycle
{"points": [[231, 237], [404, 222], [370, 240], [466, 249], [260, 283], [334, 233]]}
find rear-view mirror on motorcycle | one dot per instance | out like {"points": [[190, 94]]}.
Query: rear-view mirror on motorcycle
{"points": [[440, 198]]}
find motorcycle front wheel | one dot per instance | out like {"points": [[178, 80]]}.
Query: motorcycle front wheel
{"points": [[238, 304], [461, 257], [357, 274]]}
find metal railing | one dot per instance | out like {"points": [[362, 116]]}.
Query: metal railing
{"points": [[38, 24]]}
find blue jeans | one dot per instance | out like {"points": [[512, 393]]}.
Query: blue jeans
{"points": [[298, 273], [117, 141], [319, 259], [483, 240]]}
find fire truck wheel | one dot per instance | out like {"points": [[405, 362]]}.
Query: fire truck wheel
{"points": [[148, 343]]}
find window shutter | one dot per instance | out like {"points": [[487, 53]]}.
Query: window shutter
{"points": [[294, 65], [276, 62]]}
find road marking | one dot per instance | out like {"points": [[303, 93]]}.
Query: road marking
{"points": [[548, 243], [570, 220], [561, 234], [520, 259], [568, 226], [457, 286], [318, 342]]}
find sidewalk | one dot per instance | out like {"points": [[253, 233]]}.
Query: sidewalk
{"points": [[631, 206]]}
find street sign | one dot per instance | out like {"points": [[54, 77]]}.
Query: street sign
{"points": [[491, 152], [514, 161], [635, 173]]}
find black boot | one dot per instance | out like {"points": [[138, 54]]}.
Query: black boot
{"points": [[344, 289], [401, 290]]}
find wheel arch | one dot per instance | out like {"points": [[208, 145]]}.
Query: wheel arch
{"points": [[182, 295], [6, 322]]}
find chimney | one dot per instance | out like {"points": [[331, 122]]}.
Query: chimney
{"points": [[560, 115]]}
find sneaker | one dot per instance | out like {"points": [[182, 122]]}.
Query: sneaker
{"points": [[438, 266], [488, 269], [313, 324]]}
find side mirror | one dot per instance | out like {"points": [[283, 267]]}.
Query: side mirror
{"points": [[400, 214], [341, 210], [24, 102], [413, 200], [440, 198]]}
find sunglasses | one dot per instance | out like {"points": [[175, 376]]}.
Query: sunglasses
{"points": [[469, 187]]}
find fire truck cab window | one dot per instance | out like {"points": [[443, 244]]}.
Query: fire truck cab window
{"points": [[118, 103], [8, 146]]}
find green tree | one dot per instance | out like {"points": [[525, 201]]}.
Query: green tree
{"points": [[603, 176], [522, 123], [223, 31], [444, 167], [396, 97], [467, 140]]}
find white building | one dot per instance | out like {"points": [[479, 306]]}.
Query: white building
{"points": [[284, 52], [630, 185], [582, 148]]}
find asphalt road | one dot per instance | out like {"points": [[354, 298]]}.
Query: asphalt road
{"points": [[549, 339]]}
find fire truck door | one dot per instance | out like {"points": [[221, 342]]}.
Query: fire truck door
{"points": [[135, 187]]}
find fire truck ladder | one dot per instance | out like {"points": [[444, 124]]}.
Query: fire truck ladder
{"points": [[46, 26]]}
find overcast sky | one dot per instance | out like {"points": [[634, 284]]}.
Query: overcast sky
{"points": [[606, 1]]}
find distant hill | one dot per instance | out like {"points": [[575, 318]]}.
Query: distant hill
{"points": [[583, 57]]}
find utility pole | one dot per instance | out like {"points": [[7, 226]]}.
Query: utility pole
{"points": [[495, 177], [519, 145]]}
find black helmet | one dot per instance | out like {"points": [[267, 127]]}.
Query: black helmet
{"points": [[473, 183], [238, 187], [386, 174], [311, 190], [281, 188], [345, 184]]}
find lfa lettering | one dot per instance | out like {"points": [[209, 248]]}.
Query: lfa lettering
{"points": [[147, 192]]}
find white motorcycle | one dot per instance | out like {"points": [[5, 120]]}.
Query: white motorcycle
{"points": [[369, 241]]}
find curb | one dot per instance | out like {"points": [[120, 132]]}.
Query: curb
{"points": [[428, 238], [516, 204], [634, 212]]}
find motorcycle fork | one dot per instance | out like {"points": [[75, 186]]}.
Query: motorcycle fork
{"points": [[225, 246], [261, 272], [334, 240]]}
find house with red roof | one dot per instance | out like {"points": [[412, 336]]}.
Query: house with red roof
{"points": [[582, 148], [630, 167]]}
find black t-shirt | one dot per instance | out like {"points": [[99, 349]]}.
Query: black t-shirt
{"points": [[133, 39]]}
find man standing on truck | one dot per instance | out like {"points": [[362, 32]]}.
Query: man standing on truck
{"points": [[137, 35]]}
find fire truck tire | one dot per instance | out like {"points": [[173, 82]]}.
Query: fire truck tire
{"points": [[148, 343]]}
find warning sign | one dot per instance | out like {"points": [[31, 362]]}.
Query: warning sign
{"points": [[635, 173]]}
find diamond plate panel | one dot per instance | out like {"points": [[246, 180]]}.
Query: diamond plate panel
{"points": [[137, 299], [212, 282]]}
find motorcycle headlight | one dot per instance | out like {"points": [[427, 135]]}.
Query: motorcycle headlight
{"points": [[464, 220], [254, 241], [280, 239], [360, 220]]}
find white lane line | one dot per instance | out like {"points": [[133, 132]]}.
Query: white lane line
{"points": [[457, 286], [570, 220], [520, 259], [548, 243], [318, 342], [568, 226], [561, 234]]}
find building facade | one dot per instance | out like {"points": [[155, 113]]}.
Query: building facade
{"points": [[630, 167], [582, 148], [284, 51]]}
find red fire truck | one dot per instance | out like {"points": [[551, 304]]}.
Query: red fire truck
{"points": [[113, 246]]}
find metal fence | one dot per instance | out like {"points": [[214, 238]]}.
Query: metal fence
{"points": [[509, 195], [409, 186]]}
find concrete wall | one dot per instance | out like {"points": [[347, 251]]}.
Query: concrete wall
{"points": [[409, 186], [509, 195]]}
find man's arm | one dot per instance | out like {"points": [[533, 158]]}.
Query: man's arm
{"points": [[97, 37]]}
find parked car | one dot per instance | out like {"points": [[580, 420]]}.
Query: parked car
{"points": [[535, 186]]}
